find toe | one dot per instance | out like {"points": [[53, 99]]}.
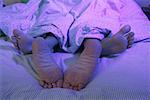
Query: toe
{"points": [[80, 86], [54, 85], [132, 39], [59, 83], [130, 42], [50, 85], [66, 85], [41, 83], [124, 30], [132, 34], [45, 85], [129, 46]]}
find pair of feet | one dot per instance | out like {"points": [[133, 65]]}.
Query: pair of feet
{"points": [[74, 78]]}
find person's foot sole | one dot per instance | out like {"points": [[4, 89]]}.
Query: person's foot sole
{"points": [[50, 74], [78, 75]]}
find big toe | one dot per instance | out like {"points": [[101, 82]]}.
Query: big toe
{"points": [[43, 84], [124, 30]]}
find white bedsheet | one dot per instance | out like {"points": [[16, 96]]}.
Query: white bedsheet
{"points": [[122, 77]]}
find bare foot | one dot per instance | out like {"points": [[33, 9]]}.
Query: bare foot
{"points": [[50, 74], [78, 75], [119, 42], [22, 42]]}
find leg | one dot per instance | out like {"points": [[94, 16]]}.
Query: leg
{"points": [[78, 75], [50, 74]]}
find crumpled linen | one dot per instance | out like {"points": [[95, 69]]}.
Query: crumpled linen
{"points": [[69, 20], [39, 17]]}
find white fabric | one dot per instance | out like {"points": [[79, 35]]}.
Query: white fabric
{"points": [[47, 16], [40, 16], [129, 13]]}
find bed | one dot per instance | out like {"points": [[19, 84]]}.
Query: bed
{"points": [[119, 77]]}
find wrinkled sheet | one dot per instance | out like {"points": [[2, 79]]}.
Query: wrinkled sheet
{"points": [[118, 12], [37, 17], [49, 16]]}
